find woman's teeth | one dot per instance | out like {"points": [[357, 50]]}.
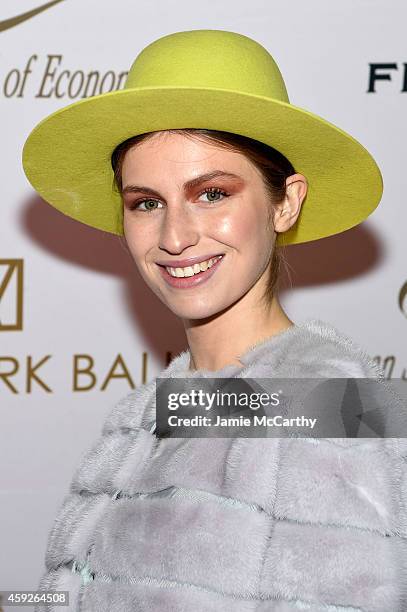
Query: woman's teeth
{"points": [[192, 270]]}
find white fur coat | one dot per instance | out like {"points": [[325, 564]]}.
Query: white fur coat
{"points": [[243, 524]]}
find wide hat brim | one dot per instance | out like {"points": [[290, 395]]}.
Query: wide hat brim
{"points": [[67, 156]]}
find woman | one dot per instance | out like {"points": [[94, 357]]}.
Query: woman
{"points": [[206, 151]]}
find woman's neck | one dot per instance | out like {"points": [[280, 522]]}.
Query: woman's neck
{"points": [[217, 341]]}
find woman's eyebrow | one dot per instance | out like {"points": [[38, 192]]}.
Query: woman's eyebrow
{"points": [[187, 186]]}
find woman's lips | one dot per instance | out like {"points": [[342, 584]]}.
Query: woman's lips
{"points": [[190, 281]]}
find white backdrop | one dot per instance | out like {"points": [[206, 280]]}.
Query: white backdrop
{"points": [[81, 298]]}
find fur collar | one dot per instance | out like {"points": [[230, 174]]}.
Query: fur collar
{"points": [[311, 349]]}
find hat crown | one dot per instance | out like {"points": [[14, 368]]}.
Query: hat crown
{"points": [[208, 58]]}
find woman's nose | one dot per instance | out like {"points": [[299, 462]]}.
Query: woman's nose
{"points": [[179, 229]]}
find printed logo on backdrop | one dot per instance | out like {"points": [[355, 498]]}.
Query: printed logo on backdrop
{"points": [[50, 76], [11, 294]]}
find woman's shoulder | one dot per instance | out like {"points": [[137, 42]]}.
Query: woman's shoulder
{"points": [[314, 349], [323, 347]]}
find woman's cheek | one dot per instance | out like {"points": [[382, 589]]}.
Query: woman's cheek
{"points": [[231, 228]]}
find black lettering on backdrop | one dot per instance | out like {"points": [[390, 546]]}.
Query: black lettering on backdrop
{"points": [[375, 75]]}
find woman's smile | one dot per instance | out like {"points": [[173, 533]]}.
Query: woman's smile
{"points": [[190, 276]]}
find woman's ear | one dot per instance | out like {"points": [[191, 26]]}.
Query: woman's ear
{"points": [[287, 211]]}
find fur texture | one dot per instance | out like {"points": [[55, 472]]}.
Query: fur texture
{"points": [[243, 524]]}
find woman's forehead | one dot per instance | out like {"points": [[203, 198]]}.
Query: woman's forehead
{"points": [[179, 151]]}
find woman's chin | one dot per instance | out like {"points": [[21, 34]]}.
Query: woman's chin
{"points": [[197, 311]]}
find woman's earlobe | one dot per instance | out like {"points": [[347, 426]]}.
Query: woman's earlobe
{"points": [[281, 219]]}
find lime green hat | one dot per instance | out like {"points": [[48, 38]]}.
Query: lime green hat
{"points": [[210, 79]]}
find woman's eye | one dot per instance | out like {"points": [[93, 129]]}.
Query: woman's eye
{"points": [[213, 193], [148, 205]]}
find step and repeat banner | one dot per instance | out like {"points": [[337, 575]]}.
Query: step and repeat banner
{"points": [[78, 328]]}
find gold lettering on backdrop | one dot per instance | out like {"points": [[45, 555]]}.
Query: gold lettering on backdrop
{"points": [[32, 375], [83, 371], [4, 376], [112, 374], [11, 294], [84, 377]]}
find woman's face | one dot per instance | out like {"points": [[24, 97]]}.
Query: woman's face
{"points": [[173, 212]]}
